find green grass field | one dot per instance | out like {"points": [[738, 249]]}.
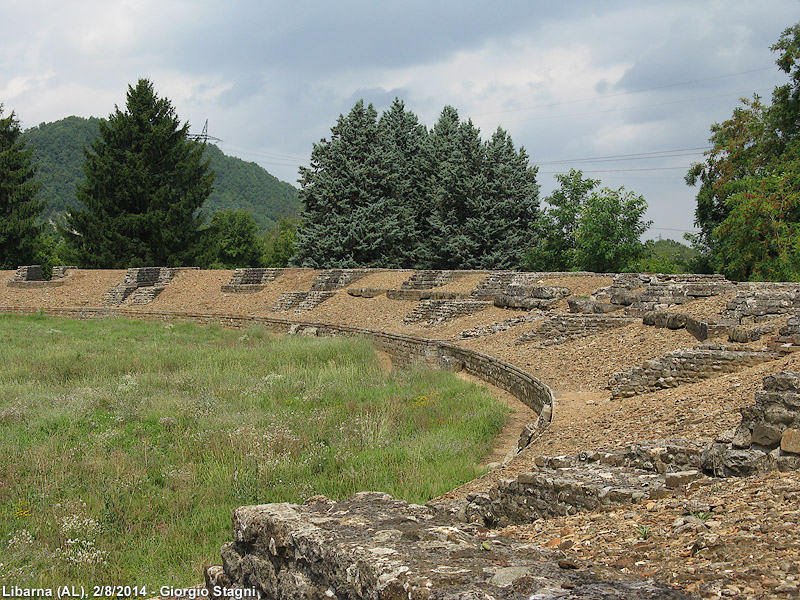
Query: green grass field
{"points": [[124, 446]]}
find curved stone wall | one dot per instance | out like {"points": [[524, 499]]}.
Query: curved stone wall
{"points": [[404, 349]]}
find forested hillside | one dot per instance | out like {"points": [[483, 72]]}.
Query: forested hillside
{"points": [[58, 155]]}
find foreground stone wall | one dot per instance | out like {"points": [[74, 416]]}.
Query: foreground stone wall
{"points": [[373, 546]]}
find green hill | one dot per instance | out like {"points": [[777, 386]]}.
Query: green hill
{"points": [[58, 152]]}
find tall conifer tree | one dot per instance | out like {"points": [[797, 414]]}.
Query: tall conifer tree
{"points": [[145, 181], [510, 204], [19, 206], [401, 212], [336, 191]]}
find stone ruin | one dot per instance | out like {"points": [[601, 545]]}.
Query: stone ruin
{"points": [[29, 273], [685, 366], [643, 292], [435, 312], [762, 301], [530, 297], [423, 279], [29, 276], [562, 328], [141, 285], [373, 546], [300, 301], [768, 437], [251, 280], [336, 279], [323, 287]]}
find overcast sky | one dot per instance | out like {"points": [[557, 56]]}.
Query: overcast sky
{"points": [[569, 80]]}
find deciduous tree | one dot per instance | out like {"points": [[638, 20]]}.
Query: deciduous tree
{"points": [[556, 244], [749, 147], [231, 241], [608, 237]]}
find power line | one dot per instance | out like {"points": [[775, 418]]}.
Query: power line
{"points": [[686, 168], [626, 108], [650, 89], [681, 230], [634, 156], [265, 154]]}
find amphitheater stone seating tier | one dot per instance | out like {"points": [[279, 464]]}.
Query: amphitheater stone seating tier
{"points": [[300, 301], [425, 279], [436, 312], [30, 276], [146, 282], [336, 279], [565, 327], [758, 302], [251, 280], [685, 366]]}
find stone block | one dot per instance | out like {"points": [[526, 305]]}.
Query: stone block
{"points": [[742, 438], [790, 441], [586, 306], [681, 478], [782, 382], [698, 329], [373, 546], [765, 435]]}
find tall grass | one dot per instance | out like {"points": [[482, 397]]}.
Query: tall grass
{"points": [[124, 446]]}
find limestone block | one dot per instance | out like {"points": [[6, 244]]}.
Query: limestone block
{"points": [[373, 546], [766, 435], [790, 442], [742, 438], [681, 478]]}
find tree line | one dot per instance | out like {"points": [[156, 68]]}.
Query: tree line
{"points": [[387, 192], [380, 192]]}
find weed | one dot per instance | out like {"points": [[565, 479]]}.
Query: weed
{"points": [[644, 531]]}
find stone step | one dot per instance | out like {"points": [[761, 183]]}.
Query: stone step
{"points": [[300, 301], [427, 279], [435, 312]]}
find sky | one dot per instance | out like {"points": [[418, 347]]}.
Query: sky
{"points": [[626, 91]]}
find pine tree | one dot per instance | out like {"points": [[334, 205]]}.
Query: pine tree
{"points": [[389, 193], [19, 205], [401, 212], [337, 190], [145, 181], [457, 184], [510, 204]]}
